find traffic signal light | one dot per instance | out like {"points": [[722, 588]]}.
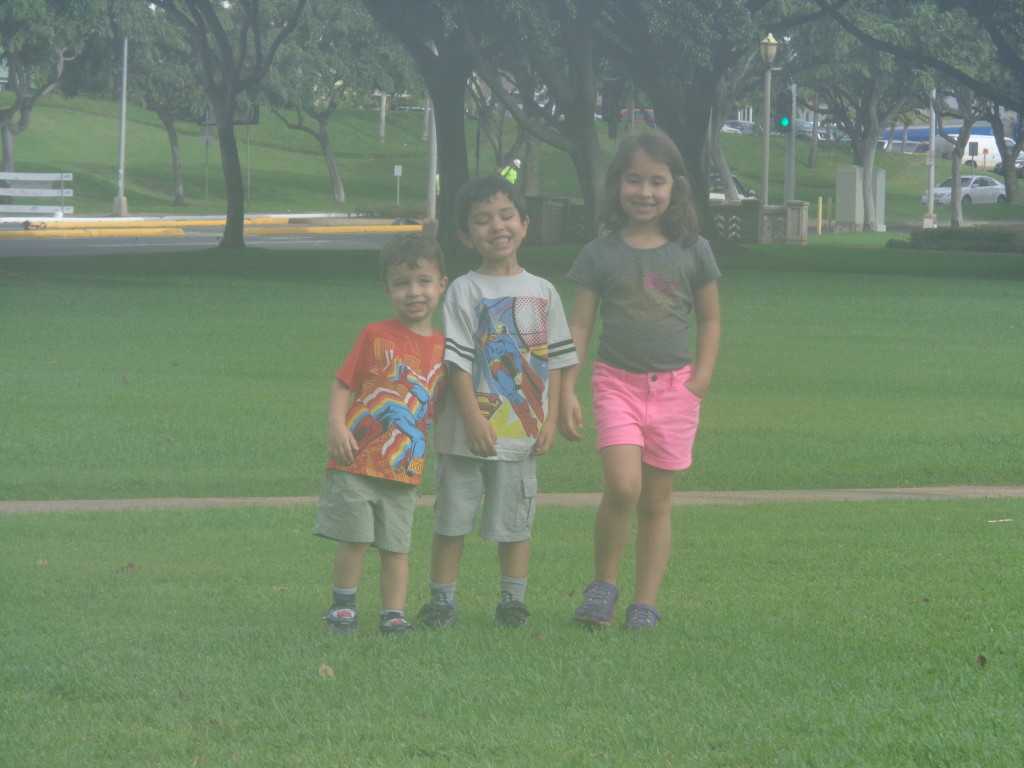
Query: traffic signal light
{"points": [[784, 111]]}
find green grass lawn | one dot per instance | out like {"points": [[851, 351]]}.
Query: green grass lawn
{"points": [[207, 374], [810, 634], [814, 634]]}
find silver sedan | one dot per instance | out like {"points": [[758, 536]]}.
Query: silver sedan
{"points": [[973, 189]]}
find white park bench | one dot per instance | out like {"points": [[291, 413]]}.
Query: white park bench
{"points": [[34, 185]]}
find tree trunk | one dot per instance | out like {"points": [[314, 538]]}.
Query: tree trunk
{"points": [[9, 135], [812, 154], [870, 223], [689, 130], [172, 139], [956, 208], [447, 90], [531, 167], [234, 227], [324, 138], [1009, 157]]}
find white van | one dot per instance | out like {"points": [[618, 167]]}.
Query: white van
{"points": [[981, 151]]}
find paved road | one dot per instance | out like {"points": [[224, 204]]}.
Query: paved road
{"points": [[81, 236], [680, 498]]}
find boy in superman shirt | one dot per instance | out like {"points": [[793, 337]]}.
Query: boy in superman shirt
{"points": [[382, 403], [506, 344]]}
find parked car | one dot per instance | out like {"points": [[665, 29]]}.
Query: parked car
{"points": [[639, 116], [804, 129], [973, 189], [1018, 164], [746, 127], [717, 193]]}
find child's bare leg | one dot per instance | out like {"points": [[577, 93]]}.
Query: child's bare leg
{"points": [[614, 521], [653, 533], [394, 580], [514, 558], [445, 555], [348, 564]]}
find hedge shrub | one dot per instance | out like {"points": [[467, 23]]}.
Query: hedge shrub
{"points": [[987, 239]]}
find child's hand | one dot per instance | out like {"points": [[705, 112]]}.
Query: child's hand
{"points": [[570, 418], [698, 386], [481, 437], [341, 445], [545, 440]]}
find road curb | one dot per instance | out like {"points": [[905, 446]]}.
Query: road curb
{"points": [[170, 228]]}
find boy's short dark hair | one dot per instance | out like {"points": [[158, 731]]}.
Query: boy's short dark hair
{"points": [[480, 189], [410, 248]]}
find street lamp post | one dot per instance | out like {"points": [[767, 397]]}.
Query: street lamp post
{"points": [[769, 46], [120, 203]]}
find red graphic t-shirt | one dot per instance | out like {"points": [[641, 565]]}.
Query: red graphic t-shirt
{"points": [[395, 376]]}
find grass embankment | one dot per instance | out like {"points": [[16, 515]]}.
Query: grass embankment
{"points": [[284, 171]]}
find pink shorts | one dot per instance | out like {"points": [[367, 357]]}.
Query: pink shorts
{"points": [[652, 410]]}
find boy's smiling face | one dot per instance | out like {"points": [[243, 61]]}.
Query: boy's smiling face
{"points": [[414, 293], [495, 230]]}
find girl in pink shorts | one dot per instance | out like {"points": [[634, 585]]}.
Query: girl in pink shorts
{"points": [[645, 275]]}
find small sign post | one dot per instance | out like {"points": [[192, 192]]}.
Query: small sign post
{"points": [[398, 185]]}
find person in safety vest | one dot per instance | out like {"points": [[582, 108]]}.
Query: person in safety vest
{"points": [[510, 171]]}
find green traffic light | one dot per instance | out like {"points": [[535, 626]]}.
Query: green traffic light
{"points": [[784, 122]]}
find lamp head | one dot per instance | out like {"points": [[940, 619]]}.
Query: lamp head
{"points": [[769, 46]]}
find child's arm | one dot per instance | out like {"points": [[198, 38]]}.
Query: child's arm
{"points": [[480, 435], [549, 430], [709, 333], [341, 444], [581, 325]]}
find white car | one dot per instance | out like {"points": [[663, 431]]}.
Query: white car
{"points": [[717, 193], [973, 189]]}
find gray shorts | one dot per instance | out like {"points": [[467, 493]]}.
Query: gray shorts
{"points": [[508, 490], [366, 510]]}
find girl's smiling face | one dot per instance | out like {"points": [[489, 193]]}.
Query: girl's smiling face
{"points": [[645, 189]]}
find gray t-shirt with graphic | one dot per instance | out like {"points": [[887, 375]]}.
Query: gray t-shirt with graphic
{"points": [[646, 297]]}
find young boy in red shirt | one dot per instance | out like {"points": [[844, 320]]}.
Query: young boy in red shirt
{"points": [[381, 407]]}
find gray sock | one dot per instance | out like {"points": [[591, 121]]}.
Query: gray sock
{"points": [[442, 593], [343, 598], [515, 589]]}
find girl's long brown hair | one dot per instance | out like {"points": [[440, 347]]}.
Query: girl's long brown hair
{"points": [[679, 222]]}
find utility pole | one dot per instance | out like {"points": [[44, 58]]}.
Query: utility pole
{"points": [[789, 180], [120, 204], [768, 48]]}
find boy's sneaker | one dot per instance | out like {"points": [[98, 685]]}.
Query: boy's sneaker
{"points": [[640, 617], [598, 607], [342, 621], [392, 623], [437, 615], [511, 613]]}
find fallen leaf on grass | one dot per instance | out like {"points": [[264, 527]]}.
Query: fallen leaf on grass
{"points": [[982, 661], [326, 673], [129, 568], [280, 589], [41, 561]]}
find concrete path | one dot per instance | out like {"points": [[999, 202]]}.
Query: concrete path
{"points": [[680, 498]]}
